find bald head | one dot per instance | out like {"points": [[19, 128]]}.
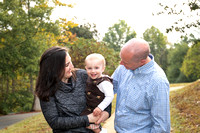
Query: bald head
{"points": [[138, 49], [135, 53]]}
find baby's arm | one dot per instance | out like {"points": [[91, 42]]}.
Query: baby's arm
{"points": [[107, 88]]}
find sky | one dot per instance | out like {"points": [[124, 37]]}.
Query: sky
{"points": [[105, 13]]}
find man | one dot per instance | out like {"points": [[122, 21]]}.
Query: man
{"points": [[142, 91]]}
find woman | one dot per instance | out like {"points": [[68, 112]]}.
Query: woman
{"points": [[61, 91]]}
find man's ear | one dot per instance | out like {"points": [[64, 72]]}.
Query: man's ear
{"points": [[143, 61], [85, 68]]}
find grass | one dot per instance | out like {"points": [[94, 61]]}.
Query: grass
{"points": [[35, 124], [185, 109], [185, 113]]}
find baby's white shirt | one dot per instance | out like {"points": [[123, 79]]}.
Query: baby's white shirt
{"points": [[106, 87]]}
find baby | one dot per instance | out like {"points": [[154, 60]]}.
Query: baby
{"points": [[99, 87]]}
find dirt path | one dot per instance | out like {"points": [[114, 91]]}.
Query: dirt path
{"points": [[109, 124], [176, 88]]}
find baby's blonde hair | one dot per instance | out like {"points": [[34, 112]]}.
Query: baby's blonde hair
{"points": [[96, 56]]}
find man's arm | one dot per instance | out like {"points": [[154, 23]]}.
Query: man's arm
{"points": [[160, 110]]}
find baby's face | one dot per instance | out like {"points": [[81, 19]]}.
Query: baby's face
{"points": [[94, 68]]}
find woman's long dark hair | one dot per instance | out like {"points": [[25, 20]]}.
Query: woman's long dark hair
{"points": [[52, 69]]}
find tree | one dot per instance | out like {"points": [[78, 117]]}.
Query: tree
{"points": [[118, 34], [83, 47], [188, 15], [187, 10], [66, 35], [191, 62], [157, 42], [87, 31], [175, 60], [25, 31]]}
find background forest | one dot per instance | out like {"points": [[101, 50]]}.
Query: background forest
{"points": [[26, 31]]}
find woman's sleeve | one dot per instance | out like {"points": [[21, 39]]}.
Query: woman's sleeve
{"points": [[51, 115]]}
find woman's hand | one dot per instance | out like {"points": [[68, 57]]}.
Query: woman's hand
{"points": [[92, 118], [103, 116]]}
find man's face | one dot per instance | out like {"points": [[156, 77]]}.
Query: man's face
{"points": [[127, 61]]}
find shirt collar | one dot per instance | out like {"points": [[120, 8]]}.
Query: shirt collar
{"points": [[145, 68]]}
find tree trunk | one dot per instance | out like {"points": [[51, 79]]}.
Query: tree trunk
{"points": [[1, 83], [31, 83], [7, 84], [36, 101], [36, 104], [13, 85]]}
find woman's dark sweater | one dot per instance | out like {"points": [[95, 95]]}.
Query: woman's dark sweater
{"points": [[62, 111]]}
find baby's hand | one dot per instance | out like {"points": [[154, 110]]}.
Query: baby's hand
{"points": [[97, 111]]}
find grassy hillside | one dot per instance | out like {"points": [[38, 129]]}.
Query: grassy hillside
{"points": [[185, 109]]}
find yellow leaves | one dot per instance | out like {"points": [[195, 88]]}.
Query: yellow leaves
{"points": [[44, 5], [63, 19], [72, 24], [2, 39], [65, 25], [70, 5], [58, 3], [42, 29], [67, 38]]}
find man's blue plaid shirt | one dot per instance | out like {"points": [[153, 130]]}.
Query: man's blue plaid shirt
{"points": [[142, 99]]}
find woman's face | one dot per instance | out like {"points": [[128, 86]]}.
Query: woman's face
{"points": [[68, 68]]}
